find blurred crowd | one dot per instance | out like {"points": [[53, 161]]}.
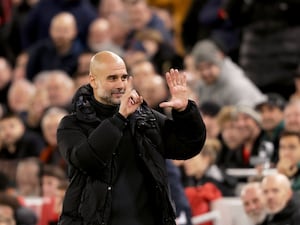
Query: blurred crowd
{"points": [[241, 61]]}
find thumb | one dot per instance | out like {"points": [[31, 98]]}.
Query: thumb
{"points": [[165, 104]]}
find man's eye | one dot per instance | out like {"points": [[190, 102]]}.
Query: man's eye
{"points": [[125, 77]]}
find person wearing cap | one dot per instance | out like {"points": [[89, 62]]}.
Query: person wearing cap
{"points": [[271, 111], [222, 80], [255, 152]]}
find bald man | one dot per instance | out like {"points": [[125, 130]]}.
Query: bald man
{"points": [[60, 51], [282, 205], [116, 146], [254, 203]]}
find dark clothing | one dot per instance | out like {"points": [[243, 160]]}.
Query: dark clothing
{"points": [[262, 152], [29, 145], [44, 56], [38, 21], [290, 215], [182, 204], [117, 165], [269, 47]]}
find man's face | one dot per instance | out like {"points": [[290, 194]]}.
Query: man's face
{"points": [[292, 118], [109, 83], [289, 148], [209, 72], [63, 32], [231, 135], [50, 185], [11, 130], [254, 205], [246, 126], [271, 116], [276, 195]]}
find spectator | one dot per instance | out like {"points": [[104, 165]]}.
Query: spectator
{"points": [[50, 121], [60, 88], [291, 116], [20, 95], [271, 111], [108, 7], [154, 91], [52, 179], [289, 157], [28, 180], [230, 138], [100, 38], [36, 27], [18, 142], [203, 169], [282, 205], [13, 213], [60, 51], [141, 16], [223, 81], [119, 27], [254, 203], [37, 107], [161, 53], [255, 151], [142, 70]]}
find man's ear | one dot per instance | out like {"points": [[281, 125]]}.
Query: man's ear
{"points": [[93, 82]]}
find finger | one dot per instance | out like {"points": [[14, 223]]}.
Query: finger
{"points": [[183, 78], [168, 79], [165, 104], [177, 77], [129, 85], [173, 77]]}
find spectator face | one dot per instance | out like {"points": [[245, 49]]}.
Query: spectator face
{"points": [[60, 89], [50, 185], [6, 215], [27, 178], [292, 117], [209, 72], [289, 149], [231, 135], [246, 125], [108, 7], [139, 13], [12, 129], [20, 94], [277, 192], [5, 72], [271, 117], [63, 30], [254, 204], [50, 125]]}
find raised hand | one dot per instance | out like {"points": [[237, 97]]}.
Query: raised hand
{"points": [[130, 101], [178, 90]]}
